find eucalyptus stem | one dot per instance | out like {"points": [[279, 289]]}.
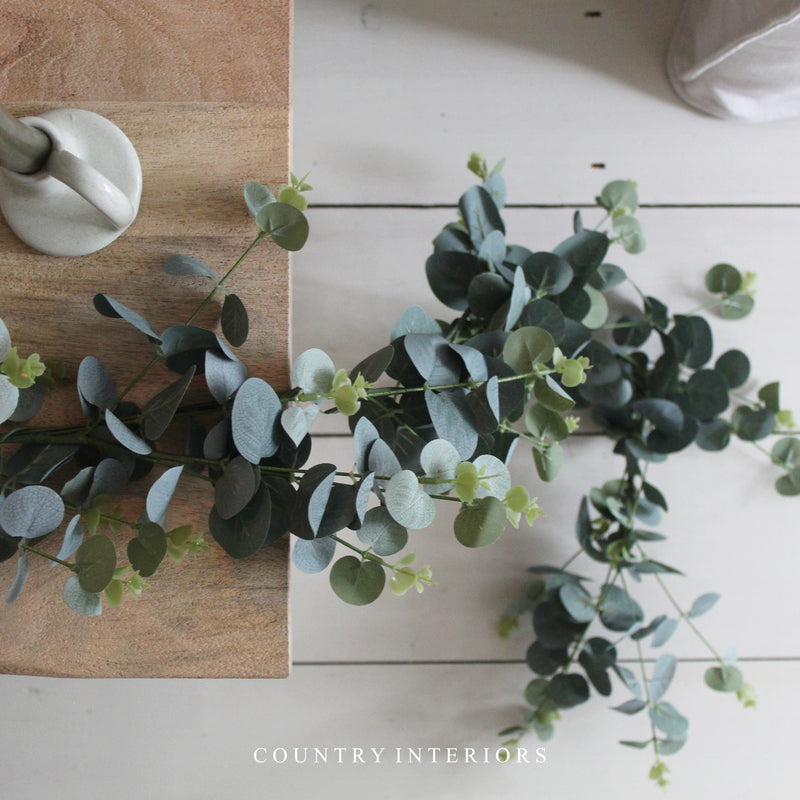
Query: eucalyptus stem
{"points": [[35, 551]]}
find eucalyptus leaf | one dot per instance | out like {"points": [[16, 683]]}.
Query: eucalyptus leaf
{"points": [[449, 276], [723, 279], [160, 410], [285, 224], [547, 273], [669, 720], [480, 214], [95, 562], [256, 409], [663, 632], [313, 371], [630, 234], [20, 578], [438, 460], [381, 533], [414, 320], [256, 196], [357, 582], [125, 436], [296, 421], [31, 512], [585, 251], [734, 366], [726, 678], [88, 604], [548, 461], [243, 534], [528, 346], [737, 306], [520, 296], [184, 266], [223, 375], [95, 385], [313, 555], [147, 550], [160, 494], [453, 420], [546, 315], [235, 488], [234, 320], [408, 505], [109, 307], [663, 673], [480, 523], [568, 690], [703, 604], [73, 538]]}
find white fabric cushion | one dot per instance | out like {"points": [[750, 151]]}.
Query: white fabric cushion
{"points": [[738, 59]]}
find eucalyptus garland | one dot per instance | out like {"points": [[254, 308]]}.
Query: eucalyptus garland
{"points": [[435, 415]]}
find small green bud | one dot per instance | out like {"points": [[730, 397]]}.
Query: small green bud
{"points": [[477, 165], [466, 482], [573, 370], [747, 695]]}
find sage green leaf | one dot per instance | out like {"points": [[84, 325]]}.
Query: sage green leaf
{"points": [[480, 214], [407, 503], [547, 273], [234, 320], [95, 562], [223, 375], [244, 534], [88, 604], [449, 275], [636, 745], [256, 409], [703, 604], [95, 385], [183, 266], [160, 410], [109, 307], [789, 485], [663, 673], [528, 346], [737, 306], [438, 460], [20, 578], [536, 692], [607, 277], [577, 601], [598, 313], [618, 610], [256, 196], [313, 371], [727, 678], [619, 196], [551, 395], [786, 452], [630, 234], [548, 461], [544, 314], [754, 424], [285, 224], [568, 690], [381, 533], [433, 358], [313, 555], [669, 720], [723, 279], [125, 436], [545, 424], [585, 252], [706, 394], [480, 523], [452, 420], [357, 582], [160, 494], [31, 512], [374, 365], [235, 488], [734, 366], [147, 550], [415, 320]]}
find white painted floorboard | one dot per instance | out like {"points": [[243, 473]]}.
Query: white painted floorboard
{"points": [[391, 96]]}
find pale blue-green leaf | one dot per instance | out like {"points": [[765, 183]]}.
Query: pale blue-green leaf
{"points": [[5, 340], [255, 411], [296, 421], [381, 533], [318, 499], [160, 494], [357, 581], [125, 436], [495, 477], [668, 747], [183, 266], [224, 375], [520, 296], [415, 320], [365, 434], [256, 195], [9, 397], [433, 358], [110, 477], [407, 503], [382, 461], [630, 680], [73, 538], [29, 401], [88, 604], [20, 579], [669, 720], [633, 706], [451, 421], [439, 460], [109, 307], [95, 385], [474, 361], [630, 233], [577, 601], [313, 555], [663, 673], [663, 632], [31, 512], [703, 604], [313, 371]]}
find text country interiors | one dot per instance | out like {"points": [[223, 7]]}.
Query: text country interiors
{"points": [[398, 755]]}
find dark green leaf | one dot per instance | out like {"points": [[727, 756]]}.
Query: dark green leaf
{"points": [[480, 523], [182, 266], [95, 562], [245, 533], [160, 410], [546, 315], [235, 488], [694, 340], [285, 224], [547, 273], [568, 690], [357, 582], [546, 424], [706, 394], [148, 549], [770, 396], [450, 274], [618, 610], [723, 279], [234, 321], [607, 277], [631, 331], [585, 252], [545, 661], [734, 366], [373, 366], [453, 420], [754, 424], [665, 415], [713, 435], [480, 214]]}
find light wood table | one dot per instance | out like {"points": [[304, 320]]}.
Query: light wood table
{"points": [[202, 90]]}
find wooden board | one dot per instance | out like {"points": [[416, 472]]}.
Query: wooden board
{"points": [[203, 94]]}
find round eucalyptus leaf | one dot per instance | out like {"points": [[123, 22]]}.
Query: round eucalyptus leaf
{"points": [[578, 603], [313, 555], [665, 415], [495, 479], [618, 610], [474, 361], [433, 358], [160, 494], [568, 690], [480, 523], [713, 435], [95, 562], [449, 276], [544, 314], [88, 604], [723, 279], [235, 488], [95, 385], [551, 395], [547, 273], [543, 660], [607, 277], [256, 196], [223, 375], [125, 436], [31, 512], [693, 337], [414, 320], [234, 320], [786, 452], [726, 678], [706, 394], [585, 252], [545, 423], [669, 720], [382, 461], [28, 401], [357, 582], [536, 692], [365, 434], [619, 196], [256, 409], [452, 420], [754, 424], [109, 307], [313, 371], [734, 366], [630, 234], [244, 534], [20, 578], [548, 461], [285, 224], [296, 421], [770, 396], [528, 346], [439, 459], [148, 549], [407, 503], [381, 533], [737, 306], [183, 266], [492, 251], [9, 398], [487, 291]]}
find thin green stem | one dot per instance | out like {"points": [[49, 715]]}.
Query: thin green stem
{"points": [[29, 549]]}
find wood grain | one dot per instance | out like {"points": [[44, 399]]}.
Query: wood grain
{"points": [[203, 94]]}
